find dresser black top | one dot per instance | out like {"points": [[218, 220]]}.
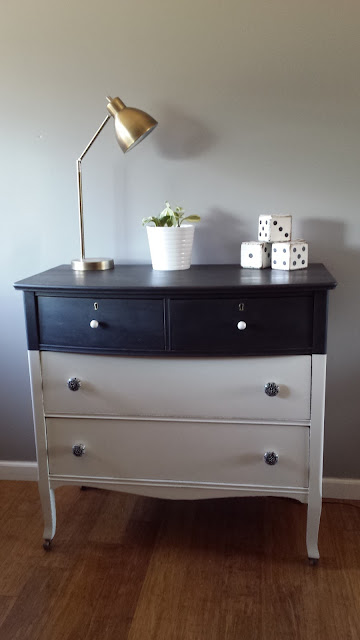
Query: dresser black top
{"points": [[142, 278]]}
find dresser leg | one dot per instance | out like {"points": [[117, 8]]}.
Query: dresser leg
{"points": [[312, 529], [47, 498], [316, 455]]}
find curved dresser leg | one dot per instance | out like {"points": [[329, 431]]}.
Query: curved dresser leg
{"points": [[316, 455], [47, 498], [312, 529]]}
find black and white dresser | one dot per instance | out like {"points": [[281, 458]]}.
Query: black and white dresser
{"points": [[192, 384]]}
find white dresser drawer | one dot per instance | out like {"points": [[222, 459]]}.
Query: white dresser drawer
{"points": [[216, 388], [193, 451]]}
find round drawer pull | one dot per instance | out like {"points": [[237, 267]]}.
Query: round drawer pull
{"points": [[94, 324], [74, 384], [271, 458], [78, 450], [272, 389], [241, 325]]}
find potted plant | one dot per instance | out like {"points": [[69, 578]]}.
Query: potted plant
{"points": [[170, 240]]}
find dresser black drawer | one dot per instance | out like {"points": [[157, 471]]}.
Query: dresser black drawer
{"points": [[273, 325], [123, 324]]}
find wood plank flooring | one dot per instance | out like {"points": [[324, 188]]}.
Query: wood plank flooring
{"points": [[131, 568]]}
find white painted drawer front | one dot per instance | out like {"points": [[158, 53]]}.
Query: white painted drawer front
{"points": [[163, 450], [177, 387]]}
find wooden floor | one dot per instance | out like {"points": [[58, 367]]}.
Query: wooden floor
{"points": [[125, 567]]}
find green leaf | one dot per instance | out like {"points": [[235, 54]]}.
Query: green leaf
{"points": [[192, 218], [167, 211], [150, 219], [166, 221]]}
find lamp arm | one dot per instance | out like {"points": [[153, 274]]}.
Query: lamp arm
{"points": [[94, 137], [79, 184]]}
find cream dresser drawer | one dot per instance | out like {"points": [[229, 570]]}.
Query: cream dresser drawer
{"points": [[220, 388], [193, 451]]}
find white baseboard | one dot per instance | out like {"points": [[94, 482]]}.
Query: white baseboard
{"points": [[17, 470], [341, 488]]}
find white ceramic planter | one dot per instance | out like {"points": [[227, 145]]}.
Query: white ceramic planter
{"points": [[171, 247]]}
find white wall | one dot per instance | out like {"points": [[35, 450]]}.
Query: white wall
{"points": [[258, 105]]}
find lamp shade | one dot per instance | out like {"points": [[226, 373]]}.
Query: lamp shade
{"points": [[131, 125]]}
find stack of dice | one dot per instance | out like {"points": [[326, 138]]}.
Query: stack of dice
{"points": [[274, 247]]}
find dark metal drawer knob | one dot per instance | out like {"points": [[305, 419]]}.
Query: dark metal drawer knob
{"points": [[74, 384], [78, 450], [271, 458], [272, 389]]}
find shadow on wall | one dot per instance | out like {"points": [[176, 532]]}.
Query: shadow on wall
{"points": [[342, 437], [219, 239], [326, 240], [182, 136]]}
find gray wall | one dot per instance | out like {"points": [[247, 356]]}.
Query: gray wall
{"points": [[258, 104]]}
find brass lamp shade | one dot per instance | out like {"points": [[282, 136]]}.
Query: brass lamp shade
{"points": [[131, 125]]}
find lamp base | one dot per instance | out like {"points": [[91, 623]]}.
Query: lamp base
{"points": [[92, 264]]}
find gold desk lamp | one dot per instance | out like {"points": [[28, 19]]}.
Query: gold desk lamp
{"points": [[131, 126]]}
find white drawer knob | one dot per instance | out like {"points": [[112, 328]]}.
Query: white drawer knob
{"points": [[241, 325], [94, 324]]}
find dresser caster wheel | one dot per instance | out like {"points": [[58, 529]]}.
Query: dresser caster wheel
{"points": [[313, 562], [47, 545]]}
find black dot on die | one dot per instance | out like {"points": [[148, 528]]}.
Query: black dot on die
{"points": [[299, 256], [274, 261], [275, 250], [284, 250], [260, 222], [294, 263], [268, 255], [265, 249], [265, 235], [259, 234], [275, 223], [303, 248], [262, 228], [280, 228], [250, 255], [302, 261], [294, 249], [284, 263], [266, 221], [286, 235]]}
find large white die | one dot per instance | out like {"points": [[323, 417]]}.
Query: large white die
{"points": [[255, 255], [290, 255], [274, 228]]}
